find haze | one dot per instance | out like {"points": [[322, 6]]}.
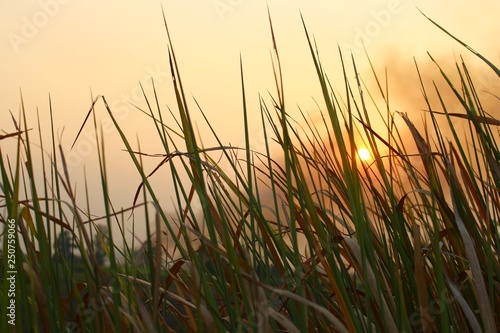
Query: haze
{"points": [[74, 50]]}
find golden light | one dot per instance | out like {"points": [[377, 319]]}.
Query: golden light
{"points": [[364, 154]]}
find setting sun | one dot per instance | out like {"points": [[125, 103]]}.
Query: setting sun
{"points": [[364, 154]]}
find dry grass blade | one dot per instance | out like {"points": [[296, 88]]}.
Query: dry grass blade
{"points": [[389, 323], [44, 214], [163, 290], [494, 164], [280, 318], [336, 322], [479, 119], [462, 302], [378, 136], [85, 121], [423, 299], [157, 268], [33, 271], [486, 311], [10, 135], [466, 177], [168, 157], [422, 145]]}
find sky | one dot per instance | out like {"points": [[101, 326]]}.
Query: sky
{"points": [[74, 50]]}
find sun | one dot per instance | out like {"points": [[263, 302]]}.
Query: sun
{"points": [[364, 154]]}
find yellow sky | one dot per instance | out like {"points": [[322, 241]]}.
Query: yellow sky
{"points": [[68, 48]]}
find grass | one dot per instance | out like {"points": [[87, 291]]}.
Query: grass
{"points": [[407, 241]]}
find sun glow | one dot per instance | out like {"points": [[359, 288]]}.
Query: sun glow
{"points": [[364, 154]]}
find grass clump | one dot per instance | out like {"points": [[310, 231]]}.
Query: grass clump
{"points": [[405, 241]]}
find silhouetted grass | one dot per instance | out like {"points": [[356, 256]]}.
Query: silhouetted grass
{"points": [[407, 241]]}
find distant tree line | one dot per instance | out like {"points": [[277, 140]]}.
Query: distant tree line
{"points": [[66, 248]]}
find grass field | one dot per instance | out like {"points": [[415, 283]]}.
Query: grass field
{"points": [[405, 239]]}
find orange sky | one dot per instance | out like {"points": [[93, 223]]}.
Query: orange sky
{"points": [[68, 48]]}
